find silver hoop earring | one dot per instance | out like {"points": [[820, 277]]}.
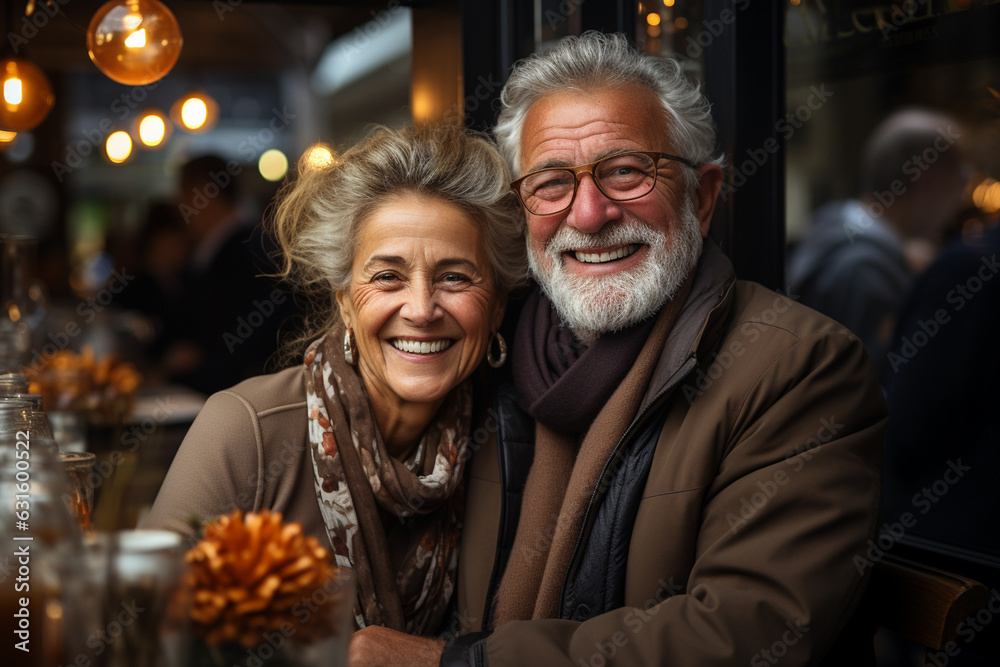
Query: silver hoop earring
{"points": [[350, 347], [497, 361]]}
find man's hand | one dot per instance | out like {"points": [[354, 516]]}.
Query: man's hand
{"points": [[376, 646]]}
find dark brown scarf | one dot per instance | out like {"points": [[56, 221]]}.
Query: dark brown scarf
{"points": [[565, 469], [362, 491]]}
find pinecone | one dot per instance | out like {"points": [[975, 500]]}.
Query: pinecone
{"points": [[254, 574]]}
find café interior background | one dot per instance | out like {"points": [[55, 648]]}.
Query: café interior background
{"points": [[286, 76]]}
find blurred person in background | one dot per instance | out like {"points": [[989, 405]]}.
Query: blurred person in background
{"points": [[857, 260], [162, 249], [943, 396], [233, 308]]}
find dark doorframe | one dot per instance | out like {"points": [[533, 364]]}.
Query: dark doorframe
{"points": [[745, 82]]}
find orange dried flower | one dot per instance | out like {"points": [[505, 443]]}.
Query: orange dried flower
{"points": [[251, 575], [77, 381]]}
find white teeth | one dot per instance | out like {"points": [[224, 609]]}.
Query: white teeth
{"points": [[418, 347], [596, 258]]}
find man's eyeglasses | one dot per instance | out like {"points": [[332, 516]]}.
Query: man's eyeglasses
{"points": [[619, 177]]}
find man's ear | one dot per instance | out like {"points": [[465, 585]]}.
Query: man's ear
{"points": [[706, 194]]}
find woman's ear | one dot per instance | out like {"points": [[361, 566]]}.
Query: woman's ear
{"points": [[344, 301], [499, 308]]}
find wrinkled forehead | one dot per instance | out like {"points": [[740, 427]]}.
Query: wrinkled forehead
{"points": [[574, 127]]}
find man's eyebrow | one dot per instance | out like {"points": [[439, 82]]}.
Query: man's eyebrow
{"points": [[556, 163]]}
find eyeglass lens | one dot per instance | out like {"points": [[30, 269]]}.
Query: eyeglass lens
{"points": [[619, 177]]}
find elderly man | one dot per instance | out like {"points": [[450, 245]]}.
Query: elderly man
{"points": [[703, 453]]}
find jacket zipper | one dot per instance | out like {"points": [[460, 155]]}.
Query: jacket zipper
{"points": [[681, 373]]}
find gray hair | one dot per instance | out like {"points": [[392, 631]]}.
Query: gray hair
{"points": [[596, 60], [321, 214]]}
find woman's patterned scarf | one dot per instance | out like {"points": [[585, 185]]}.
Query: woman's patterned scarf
{"points": [[370, 500]]}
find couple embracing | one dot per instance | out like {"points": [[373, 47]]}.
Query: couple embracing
{"points": [[521, 459]]}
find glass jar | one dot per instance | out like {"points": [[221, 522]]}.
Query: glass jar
{"points": [[41, 541], [14, 383]]}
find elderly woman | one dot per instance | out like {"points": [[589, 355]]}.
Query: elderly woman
{"points": [[408, 245]]}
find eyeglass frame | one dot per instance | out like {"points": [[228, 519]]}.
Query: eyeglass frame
{"points": [[515, 185]]}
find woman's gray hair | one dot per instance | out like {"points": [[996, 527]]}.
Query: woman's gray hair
{"points": [[596, 60], [320, 214]]}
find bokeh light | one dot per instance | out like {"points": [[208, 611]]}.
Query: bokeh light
{"points": [[118, 146], [196, 112], [273, 165], [154, 129]]}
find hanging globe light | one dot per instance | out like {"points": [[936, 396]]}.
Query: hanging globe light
{"points": [[25, 95], [134, 42]]}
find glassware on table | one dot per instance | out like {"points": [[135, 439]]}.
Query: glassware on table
{"points": [[134, 593], [79, 467], [43, 540], [14, 383]]}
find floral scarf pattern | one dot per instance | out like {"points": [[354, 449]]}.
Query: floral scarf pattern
{"points": [[369, 500]]}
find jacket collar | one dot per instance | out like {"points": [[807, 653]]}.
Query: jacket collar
{"points": [[700, 319]]}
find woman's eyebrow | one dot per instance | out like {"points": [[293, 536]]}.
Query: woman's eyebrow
{"points": [[383, 259]]}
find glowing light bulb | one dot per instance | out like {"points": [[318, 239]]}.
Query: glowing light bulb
{"points": [[27, 95], [12, 91], [134, 42], [118, 146], [137, 39], [153, 129], [7, 137]]}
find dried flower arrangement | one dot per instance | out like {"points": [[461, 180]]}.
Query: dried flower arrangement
{"points": [[255, 577]]}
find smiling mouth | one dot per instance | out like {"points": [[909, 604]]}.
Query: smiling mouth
{"points": [[601, 257], [420, 347]]}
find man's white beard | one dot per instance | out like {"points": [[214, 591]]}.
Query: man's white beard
{"points": [[597, 305]]}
